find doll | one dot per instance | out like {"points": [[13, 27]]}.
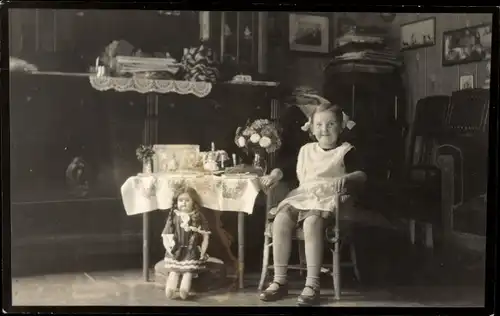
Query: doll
{"points": [[185, 238]]}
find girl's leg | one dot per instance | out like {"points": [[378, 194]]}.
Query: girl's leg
{"points": [[185, 286], [313, 236], [283, 227], [171, 284]]}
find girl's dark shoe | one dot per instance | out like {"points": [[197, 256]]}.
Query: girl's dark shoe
{"points": [[277, 292], [309, 300]]}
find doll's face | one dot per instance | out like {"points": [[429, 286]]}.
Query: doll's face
{"points": [[185, 203], [326, 128]]}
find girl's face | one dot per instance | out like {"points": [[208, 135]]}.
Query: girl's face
{"points": [[185, 203], [326, 128]]}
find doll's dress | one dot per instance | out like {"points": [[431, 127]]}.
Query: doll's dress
{"points": [[187, 235]]}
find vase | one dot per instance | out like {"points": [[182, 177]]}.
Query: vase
{"points": [[259, 162], [147, 166]]}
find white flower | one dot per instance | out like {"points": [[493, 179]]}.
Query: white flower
{"points": [[242, 141], [255, 138], [265, 142]]}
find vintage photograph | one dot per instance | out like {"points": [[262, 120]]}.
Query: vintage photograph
{"points": [[466, 82], [466, 45], [157, 168], [418, 34], [309, 33]]}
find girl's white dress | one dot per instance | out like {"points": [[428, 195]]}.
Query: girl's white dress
{"points": [[316, 169]]}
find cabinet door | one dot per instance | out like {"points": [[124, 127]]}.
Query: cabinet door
{"points": [[236, 34], [55, 120]]}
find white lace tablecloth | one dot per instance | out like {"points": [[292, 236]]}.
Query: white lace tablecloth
{"points": [[148, 192], [143, 85]]}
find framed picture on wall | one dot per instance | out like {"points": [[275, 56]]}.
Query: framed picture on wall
{"points": [[418, 34], [466, 82], [309, 33], [467, 45]]}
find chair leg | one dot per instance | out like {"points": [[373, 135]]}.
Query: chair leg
{"points": [[354, 261], [265, 262], [336, 271], [302, 256]]}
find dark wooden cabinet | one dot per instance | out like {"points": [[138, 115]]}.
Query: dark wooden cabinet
{"points": [[54, 119], [240, 35], [57, 118]]}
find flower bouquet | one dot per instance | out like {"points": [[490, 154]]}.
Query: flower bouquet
{"points": [[258, 137], [145, 155]]}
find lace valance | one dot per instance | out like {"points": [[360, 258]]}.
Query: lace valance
{"points": [[143, 85]]}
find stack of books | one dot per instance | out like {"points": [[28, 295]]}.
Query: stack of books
{"points": [[129, 64]]}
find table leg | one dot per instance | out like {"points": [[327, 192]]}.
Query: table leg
{"points": [[145, 246], [241, 248]]}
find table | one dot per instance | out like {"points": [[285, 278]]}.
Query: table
{"points": [[152, 88], [237, 193]]}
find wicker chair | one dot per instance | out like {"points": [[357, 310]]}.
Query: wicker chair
{"points": [[333, 235]]}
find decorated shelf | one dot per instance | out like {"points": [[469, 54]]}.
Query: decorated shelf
{"points": [[143, 85], [198, 88]]}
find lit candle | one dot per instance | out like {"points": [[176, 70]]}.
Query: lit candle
{"points": [[234, 160]]}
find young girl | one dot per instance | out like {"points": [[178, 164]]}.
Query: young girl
{"points": [[185, 239], [324, 168]]}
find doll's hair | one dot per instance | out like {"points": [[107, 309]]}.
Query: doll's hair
{"points": [[194, 196], [335, 109]]}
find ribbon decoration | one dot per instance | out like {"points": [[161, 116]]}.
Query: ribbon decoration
{"points": [[308, 110]]}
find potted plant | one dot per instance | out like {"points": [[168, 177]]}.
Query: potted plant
{"points": [[145, 155]]}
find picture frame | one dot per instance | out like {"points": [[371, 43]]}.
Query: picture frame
{"points": [[467, 45], [418, 34], [466, 82], [309, 33], [186, 156]]}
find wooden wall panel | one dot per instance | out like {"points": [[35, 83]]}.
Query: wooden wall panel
{"points": [[426, 75]]}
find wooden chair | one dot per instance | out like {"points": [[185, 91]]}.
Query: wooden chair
{"points": [[333, 235]]}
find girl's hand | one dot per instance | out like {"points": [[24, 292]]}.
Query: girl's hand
{"points": [[269, 180], [339, 184]]}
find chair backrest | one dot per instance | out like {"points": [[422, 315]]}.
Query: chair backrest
{"points": [[428, 126], [430, 115], [468, 109]]}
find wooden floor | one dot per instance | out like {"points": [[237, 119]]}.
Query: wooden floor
{"points": [[127, 288]]}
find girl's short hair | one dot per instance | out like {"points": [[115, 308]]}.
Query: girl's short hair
{"points": [[328, 107], [335, 109]]}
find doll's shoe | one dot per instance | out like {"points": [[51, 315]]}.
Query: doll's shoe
{"points": [[274, 293], [309, 300], [169, 293], [183, 294]]}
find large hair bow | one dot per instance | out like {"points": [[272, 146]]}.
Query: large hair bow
{"points": [[316, 100]]}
